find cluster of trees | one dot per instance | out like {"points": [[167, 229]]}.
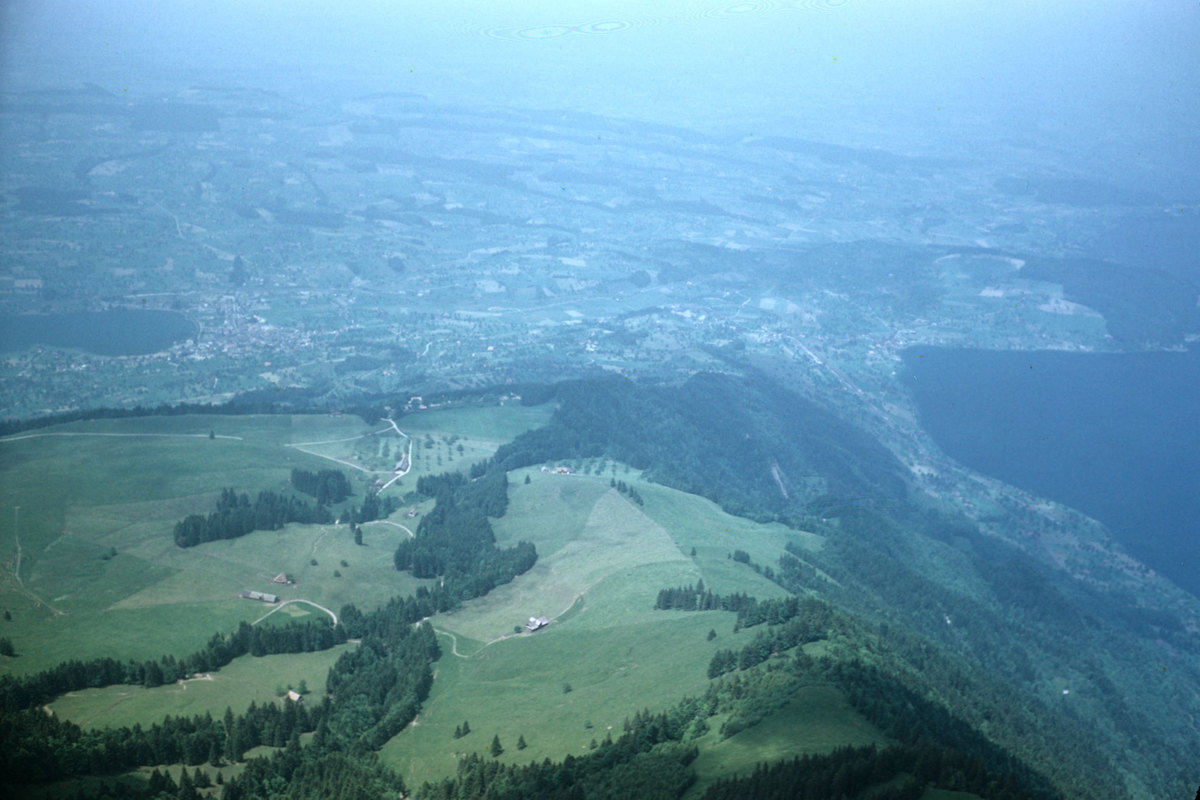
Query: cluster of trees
{"points": [[750, 610], [455, 539], [236, 516], [695, 598], [627, 490], [36, 747], [328, 486], [158, 785], [811, 622], [372, 508], [907, 716], [378, 688], [313, 772], [904, 714]]}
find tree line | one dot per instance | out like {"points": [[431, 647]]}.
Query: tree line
{"points": [[811, 622], [17, 693], [648, 760], [236, 516], [750, 610], [722, 437], [372, 691], [327, 486], [36, 747], [455, 539], [898, 772]]}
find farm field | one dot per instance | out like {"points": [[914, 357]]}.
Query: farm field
{"points": [[606, 653], [98, 574], [245, 680], [89, 565]]}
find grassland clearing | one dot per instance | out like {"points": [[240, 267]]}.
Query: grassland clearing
{"points": [[99, 573], [241, 682], [602, 560], [817, 719]]}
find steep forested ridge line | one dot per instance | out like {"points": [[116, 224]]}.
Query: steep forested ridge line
{"points": [[988, 676], [927, 573], [749, 444]]}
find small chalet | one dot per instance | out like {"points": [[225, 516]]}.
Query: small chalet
{"points": [[536, 623], [250, 594], [294, 696], [281, 578]]}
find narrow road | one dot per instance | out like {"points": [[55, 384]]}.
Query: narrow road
{"points": [[37, 599], [454, 639], [389, 522], [332, 615], [395, 475]]}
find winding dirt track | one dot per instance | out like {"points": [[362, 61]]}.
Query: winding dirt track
{"points": [[289, 602]]}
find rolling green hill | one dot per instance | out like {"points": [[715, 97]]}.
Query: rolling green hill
{"points": [[941, 645]]}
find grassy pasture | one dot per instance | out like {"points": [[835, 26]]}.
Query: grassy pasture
{"points": [[816, 720], [236, 685], [436, 437], [602, 560], [88, 488]]}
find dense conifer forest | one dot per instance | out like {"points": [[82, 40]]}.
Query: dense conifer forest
{"points": [[236, 516], [747, 443], [327, 486]]}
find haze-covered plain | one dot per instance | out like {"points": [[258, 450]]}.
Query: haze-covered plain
{"points": [[710, 248]]}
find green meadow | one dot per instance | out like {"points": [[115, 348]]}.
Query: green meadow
{"points": [[89, 565], [606, 653], [91, 569], [245, 680]]}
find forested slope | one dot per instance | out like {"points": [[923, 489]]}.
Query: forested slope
{"points": [[746, 442]]}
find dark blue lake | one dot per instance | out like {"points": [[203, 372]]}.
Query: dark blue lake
{"points": [[1116, 436], [122, 332]]}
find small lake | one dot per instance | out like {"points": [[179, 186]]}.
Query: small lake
{"points": [[1116, 436], [122, 332]]}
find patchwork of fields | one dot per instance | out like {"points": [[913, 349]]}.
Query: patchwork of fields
{"points": [[90, 569]]}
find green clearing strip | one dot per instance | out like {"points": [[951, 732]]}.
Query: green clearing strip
{"points": [[244, 680], [816, 720]]}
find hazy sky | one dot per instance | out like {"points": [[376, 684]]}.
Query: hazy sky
{"points": [[1100, 78]]}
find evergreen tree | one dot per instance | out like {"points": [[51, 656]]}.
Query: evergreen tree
{"points": [[495, 746], [521, 742]]}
